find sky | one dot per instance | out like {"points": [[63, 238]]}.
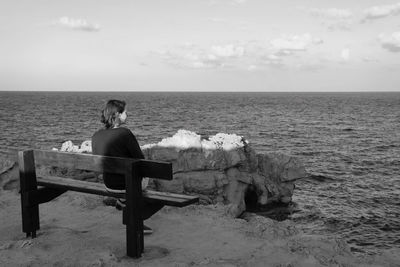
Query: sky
{"points": [[200, 45]]}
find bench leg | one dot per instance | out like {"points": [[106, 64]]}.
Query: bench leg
{"points": [[28, 183], [134, 229], [133, 218], [30, 218], [148, 210], [134, 240], [31, 234]]}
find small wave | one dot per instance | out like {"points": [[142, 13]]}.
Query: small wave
{"points": [[369, 162], [385, 147], [379, 148], [348, 129], [393, 162], [389, 228], [312, 153], [320, 178], [356, 250], [360, 171], [365, 243]]}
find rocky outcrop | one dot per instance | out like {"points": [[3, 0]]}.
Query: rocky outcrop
{"points": [[221, 169], [226, 169]]}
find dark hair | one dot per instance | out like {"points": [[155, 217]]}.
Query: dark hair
{"points": [[109, 113]]}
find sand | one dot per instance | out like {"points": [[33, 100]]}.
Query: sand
{"points": [[78, 230]]}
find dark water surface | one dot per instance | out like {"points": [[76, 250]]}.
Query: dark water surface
{"points": [[349, 142]]}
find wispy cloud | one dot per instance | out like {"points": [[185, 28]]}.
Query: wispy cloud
{"points": [[340, 26], [217, 20], [194, 57], [239, 2], [333, 18], [77, 24], [345, 54], [289, 44], [226, 2], [369, 59], [240, 25], [390, 42], [330, 13], [273, 60], [229, 50], [378, 12], [252, 55]]}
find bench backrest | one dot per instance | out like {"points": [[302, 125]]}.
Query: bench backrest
{"points": [[89, 162]]}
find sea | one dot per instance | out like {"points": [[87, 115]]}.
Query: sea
{"points": [[349, 143]]}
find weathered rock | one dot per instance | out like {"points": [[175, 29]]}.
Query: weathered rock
{"points": [[225, 175], [280, 167], [235, 197]]}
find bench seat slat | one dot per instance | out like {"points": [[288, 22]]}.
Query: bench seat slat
{"points": [[174, 195], [73, 185], [170, 199]]}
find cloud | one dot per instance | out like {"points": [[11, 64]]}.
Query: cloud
{"points": [[345, 54], [252, 68], [77, 24], [378, 12], [226, 2], [273, 60], [283, 52], [239, 2], [217, 20], [288, 44], [240, 25], [369, 59], [332, 18], [229, 50], [331, 13], [194, 57], [391, 42]]}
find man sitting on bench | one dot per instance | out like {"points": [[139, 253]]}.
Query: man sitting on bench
{"points": [[116, 141]]}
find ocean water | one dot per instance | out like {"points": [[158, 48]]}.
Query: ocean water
{"points": [[349, 143]]}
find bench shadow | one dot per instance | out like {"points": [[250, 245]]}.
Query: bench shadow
{"points": [[150, 253], [154, 252]]}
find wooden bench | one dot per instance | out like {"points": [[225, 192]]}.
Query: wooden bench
{"points": [[37, 190]]}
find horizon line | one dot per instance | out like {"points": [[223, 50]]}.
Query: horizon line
{"points": [[193, 91]]}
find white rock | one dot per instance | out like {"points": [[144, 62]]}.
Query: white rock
{"points": [[67, 146], [185, 139], [86, 147], [227, 141]]}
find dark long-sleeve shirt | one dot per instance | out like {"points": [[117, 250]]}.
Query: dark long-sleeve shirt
{"points": [[116, 142]]}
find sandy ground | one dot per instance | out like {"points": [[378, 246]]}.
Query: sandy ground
{"points": [[78, 230]]}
